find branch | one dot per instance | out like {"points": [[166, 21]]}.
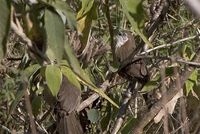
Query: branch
{"points": [[179, 60], [29, 109], [92, 98], [183, 112], [17, 28], [122, 110], [168, 96], [163, 89], [169, 44]]}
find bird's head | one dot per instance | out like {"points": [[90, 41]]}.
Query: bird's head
{"points": [[125, 45]]}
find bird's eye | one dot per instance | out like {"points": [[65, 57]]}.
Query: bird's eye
{"points": [[120, 34]]}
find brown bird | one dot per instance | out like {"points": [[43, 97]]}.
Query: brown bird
{"points": [[136, 70], [65, 106], [68, 99], [125, 45]]}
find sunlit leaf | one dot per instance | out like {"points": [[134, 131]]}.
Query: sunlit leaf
{"points": [[151, 85], [135, 14], [4, 24], [31, 69], [65, 9], [55, 35], [74, 63], [86, 7], [84, 20], [53, 77], [191, 82], [70, 76], [188, 52], [135, 8]]}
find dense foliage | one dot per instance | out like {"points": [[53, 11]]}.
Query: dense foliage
{"points": [[41, 41]]}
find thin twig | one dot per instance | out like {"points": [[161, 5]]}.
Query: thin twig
{"points": [[29, 110], [178, 86], [45, 115], [190, 63], [5, 128], [21, 34], [41, 127], [179, 60], [122, 110], [165, 120], [92, 98], [14, 58], [183, 112], [169, 44], [19, 31]]}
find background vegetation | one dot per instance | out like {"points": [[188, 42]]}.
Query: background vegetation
{"points": [[41, 40]]}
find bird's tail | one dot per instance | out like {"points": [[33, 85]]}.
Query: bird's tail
{"points": [[69, 124]]}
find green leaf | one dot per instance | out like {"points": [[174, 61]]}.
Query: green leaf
{"points": [[107, 117], [135, 14], [136, 11], [18, 97], [36, 105], [4, 24], [74, 63], [64, 8], [72, 60], [55, 35], [191, 82], [151, 85], [93, 115], [86, 7], [29, 71], [71, 76], [53, 77], [128, 126], [84, 20]]}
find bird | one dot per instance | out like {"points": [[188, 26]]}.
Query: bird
{"points": [[125, 45], [136, 70], [69, 97], [65, 105], [68, 100]]}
